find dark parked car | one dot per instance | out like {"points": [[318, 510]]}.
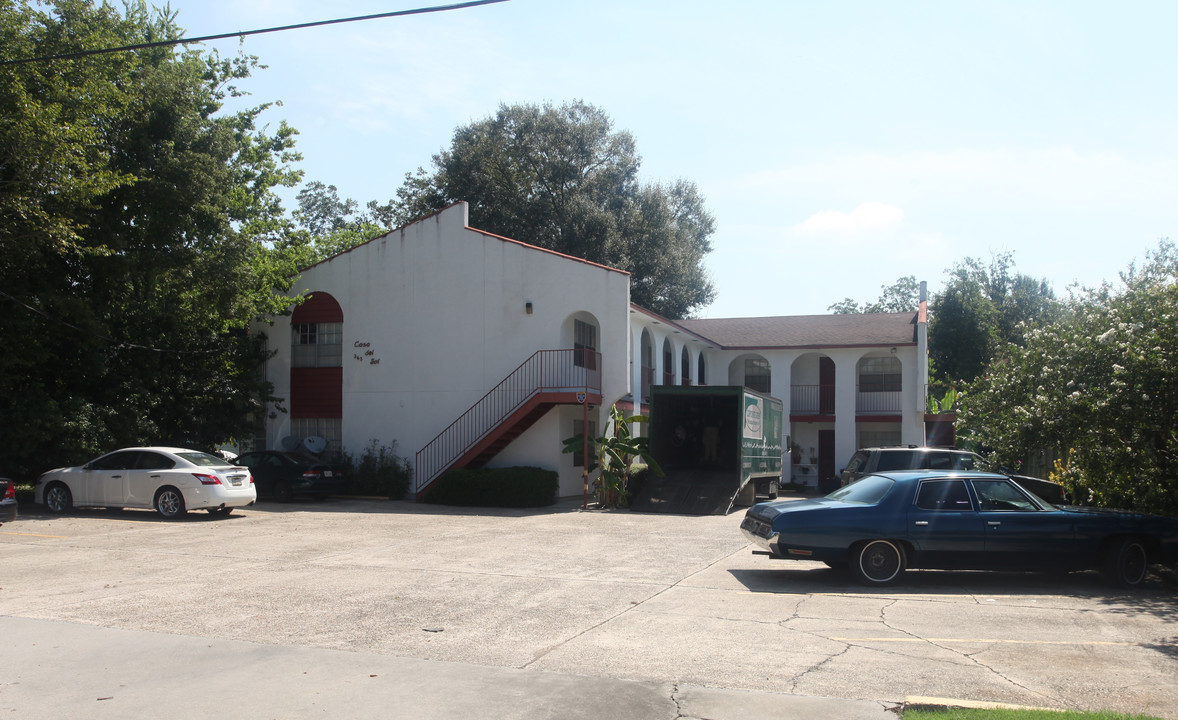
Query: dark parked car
{"points": [[882, 524], [870, 460], [283, 474], [7, 500]]}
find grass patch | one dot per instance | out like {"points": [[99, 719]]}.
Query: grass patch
{"points": [[953, 713]]}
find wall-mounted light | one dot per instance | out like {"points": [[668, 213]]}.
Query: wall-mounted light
{"points": [[528, 310], [893, 349]]}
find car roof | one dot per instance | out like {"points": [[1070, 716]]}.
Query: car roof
{"points": [[159, 448], [921, 448], [913, 475]]}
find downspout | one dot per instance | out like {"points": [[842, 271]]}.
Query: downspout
{"points": [[922, 358]]}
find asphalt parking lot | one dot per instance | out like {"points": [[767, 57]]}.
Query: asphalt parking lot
{"points": [[670, 601]]}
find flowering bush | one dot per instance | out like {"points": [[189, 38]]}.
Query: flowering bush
{"points": [[1097, 389]]}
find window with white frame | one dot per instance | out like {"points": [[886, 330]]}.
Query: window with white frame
{"points": [[879, 438], [330, 429], [880, 374], [756, 374], [316, 344]]}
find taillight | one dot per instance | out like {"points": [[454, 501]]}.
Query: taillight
{"points": [[251, 478], [10, 493], [207, 479], [311, 473]]}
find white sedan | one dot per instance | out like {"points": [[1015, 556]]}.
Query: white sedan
{"points": [[170, 480]]}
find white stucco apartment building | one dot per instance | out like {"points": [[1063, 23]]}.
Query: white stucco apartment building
{"points": [[461, 346]]}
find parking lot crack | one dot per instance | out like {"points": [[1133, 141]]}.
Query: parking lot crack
{"points": [[675, 700], [966, 656], [633, 605]]}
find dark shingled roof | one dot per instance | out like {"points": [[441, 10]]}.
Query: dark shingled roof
{"points": [[806, 331]]}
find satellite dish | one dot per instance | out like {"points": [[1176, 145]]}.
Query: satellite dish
{"points": [[291, 442], [315, 444]]}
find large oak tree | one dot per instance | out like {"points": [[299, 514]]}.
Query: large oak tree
{"points": [[562, 178], [140, 235]]}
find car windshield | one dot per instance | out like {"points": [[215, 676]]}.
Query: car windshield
{"points": [[203, 459], [867, 491]]}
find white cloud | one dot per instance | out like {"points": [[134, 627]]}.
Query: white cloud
{"points": [[868, 216]]}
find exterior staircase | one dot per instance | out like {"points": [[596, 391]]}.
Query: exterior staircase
{"points": [[547, 379]]}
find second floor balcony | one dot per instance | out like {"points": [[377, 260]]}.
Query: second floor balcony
{"points": [[820, 400]]}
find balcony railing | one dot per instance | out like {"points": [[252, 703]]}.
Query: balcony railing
{"points": [[819, 400], [811, 399], [879, 402]]}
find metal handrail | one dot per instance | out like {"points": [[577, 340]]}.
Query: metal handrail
{"points": [[811, 399], [545, 371]]}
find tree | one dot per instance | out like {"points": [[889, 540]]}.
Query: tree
{"points": [[327, 226], [980, 309], [901, 296], [139, 236], [561, 178], [1096, 389]]}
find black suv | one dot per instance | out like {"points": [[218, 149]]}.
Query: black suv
{"points": [[911, 457]]}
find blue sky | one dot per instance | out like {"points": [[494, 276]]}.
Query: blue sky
{"points": [[839, 145]]}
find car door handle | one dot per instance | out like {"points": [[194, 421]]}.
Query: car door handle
{"points": [[116, 477], [154, 477], [994, 523], [921, 523]]}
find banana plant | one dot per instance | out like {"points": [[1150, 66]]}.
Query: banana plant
{"points": [[615, 454], [946, 403]]}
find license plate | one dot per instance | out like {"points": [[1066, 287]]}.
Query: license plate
{"points": [[326, 473], [236, 482]]}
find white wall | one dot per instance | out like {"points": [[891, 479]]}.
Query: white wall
{"points": [[441, 309]]}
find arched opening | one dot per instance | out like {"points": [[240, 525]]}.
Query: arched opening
{"points": [[701, 375], [751, 371], [685, 367], [812, 385], [880, 380], [316, 370]]}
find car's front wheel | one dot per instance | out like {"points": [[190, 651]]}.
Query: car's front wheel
{"points": [[878, 562], [1126, 563], [169, 503], [58, 498]]}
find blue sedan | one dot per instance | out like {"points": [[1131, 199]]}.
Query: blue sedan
{"points": [[884, 523]]}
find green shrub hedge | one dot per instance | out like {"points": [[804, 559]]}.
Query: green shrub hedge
{"points": [[378, 471], [515, 487]]}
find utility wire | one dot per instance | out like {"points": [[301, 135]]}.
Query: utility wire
{"points": [[243, 33]]}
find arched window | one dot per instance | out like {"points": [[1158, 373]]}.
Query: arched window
{"points": [[701, 377], [756, 374], [317, 332], [684, 367], [880, 374]]}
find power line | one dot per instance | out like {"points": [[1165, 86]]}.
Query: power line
{"points": [[243, 33]]}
